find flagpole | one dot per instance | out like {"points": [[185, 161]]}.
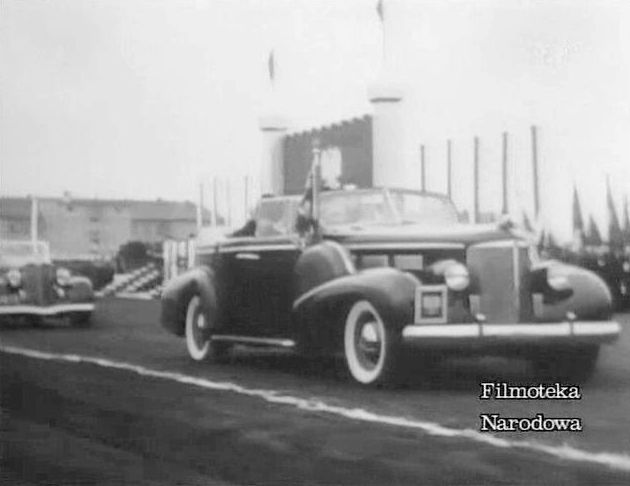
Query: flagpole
{"points": [[535, 173], [476, 179], [449, 169], [423, 169], [315, 180], [505, 208], [34, 220], [200, 209]]}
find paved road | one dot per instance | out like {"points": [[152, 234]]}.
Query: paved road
{"points": [[170, 421]]}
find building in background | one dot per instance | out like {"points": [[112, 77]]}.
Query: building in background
{"points": [[97, 227]]}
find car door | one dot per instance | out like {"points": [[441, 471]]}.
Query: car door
{"points": [[260, 273]]}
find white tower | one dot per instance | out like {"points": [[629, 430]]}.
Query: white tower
{"points": [[388, 129], [273, 126]]}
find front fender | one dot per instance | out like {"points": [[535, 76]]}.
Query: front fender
{"points": [[590, 297], [80, 289], [178, 292], [320, 312]]}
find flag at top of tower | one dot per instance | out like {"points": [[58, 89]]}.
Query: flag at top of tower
{"points": [[271, 66], [380, 10]]}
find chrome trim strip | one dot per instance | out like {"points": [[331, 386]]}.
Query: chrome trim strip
{"points": [[405, 246], [538, 329], [50, 310], [596, 328], [283, 343], [248, 256], [311, 292], [541, 329], [206, 250], [502, 243], [251, 248], [452, 331]]}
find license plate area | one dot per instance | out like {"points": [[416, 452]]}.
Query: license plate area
{"points": [[431, 304]]}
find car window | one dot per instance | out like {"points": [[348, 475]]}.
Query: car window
{"points": [[425, 209]]}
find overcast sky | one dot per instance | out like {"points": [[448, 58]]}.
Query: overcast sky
{"points": [[138, 98]]}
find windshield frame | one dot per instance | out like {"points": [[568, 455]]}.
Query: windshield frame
{"points": [[389, 205]]}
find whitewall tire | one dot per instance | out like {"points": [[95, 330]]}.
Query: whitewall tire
{"points": [[368, 345], [197, 331]]}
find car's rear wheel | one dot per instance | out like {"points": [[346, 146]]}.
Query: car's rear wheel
{"points": [[574, 364], [370, 347], [198, 331]]}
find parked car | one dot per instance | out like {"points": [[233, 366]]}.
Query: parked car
{"points": [[32, 288], [378, 274]]}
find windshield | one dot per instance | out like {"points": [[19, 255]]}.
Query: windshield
{"points": [[421, 208], [19, 253], [386, 208]]}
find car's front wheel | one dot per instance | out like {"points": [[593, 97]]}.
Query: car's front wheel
{"points": [[370, 347], [198, 331]]}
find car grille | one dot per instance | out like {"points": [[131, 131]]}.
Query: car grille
{"points": [[38, 284], [500, 273]]}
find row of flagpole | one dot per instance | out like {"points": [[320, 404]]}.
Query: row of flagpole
{"points": [[225, 201], [505, 205]]}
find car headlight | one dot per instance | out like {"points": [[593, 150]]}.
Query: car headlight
{"points": [[14, 277], [457, 277], [63, 276], [556, 279]]}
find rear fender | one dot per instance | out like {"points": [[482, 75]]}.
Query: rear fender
{"points": [[319, 313], [178, 292]]}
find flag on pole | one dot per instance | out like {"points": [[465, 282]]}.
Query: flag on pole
{"points": [[615, 235], [626, 222], [307, 210], [578, 221], [380, 10], [271, 66], [527, 224], [593, 236]]}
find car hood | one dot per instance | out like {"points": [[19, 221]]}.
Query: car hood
{"points": [[463, 234]]}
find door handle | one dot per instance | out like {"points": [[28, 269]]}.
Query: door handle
{"points": [[248, 256]]}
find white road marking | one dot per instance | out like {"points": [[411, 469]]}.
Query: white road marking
{"points": [[565, 452]]}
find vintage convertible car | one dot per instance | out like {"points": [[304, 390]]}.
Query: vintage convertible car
{"points": [[32, 288], [380, 274]]}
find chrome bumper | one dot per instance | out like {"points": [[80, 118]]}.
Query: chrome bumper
{"points": [[585, 331], [49, 310]]}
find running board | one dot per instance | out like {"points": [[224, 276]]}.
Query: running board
{"points": [[256, 341]]}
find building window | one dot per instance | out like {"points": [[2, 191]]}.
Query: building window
{"points": [[95, 237]]}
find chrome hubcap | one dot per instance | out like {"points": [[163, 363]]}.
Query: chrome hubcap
{"points": [[200, 329], [368, 341]]}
